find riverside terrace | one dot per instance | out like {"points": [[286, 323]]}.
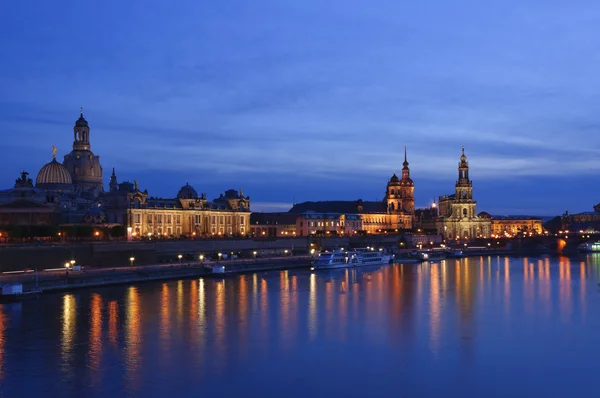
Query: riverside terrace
{"points": [[116, 254]]}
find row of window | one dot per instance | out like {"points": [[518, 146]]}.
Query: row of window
{"points": [[197, 219]]}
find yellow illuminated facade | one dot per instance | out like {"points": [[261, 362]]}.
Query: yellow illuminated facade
{"points": [[189, 214], [511, 226], [457, 213]]}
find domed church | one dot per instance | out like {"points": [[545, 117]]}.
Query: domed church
{"points": [[73, 193], [82, 164]]}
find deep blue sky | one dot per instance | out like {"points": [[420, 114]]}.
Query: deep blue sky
{"points": [[312, 100]]}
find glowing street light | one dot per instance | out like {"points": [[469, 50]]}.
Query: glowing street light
{"points": [[72, 262], [201, 257], [67, 265], [220, 255], [131, 260], [254, 253]]}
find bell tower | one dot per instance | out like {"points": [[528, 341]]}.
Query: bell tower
{"points": [[407, 187], [464, 186], [81, 134]]}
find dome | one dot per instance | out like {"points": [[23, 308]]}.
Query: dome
{"points": [[53, 174], [394, 178], [81, 122], [187, 192], [406, 182], [484, 214]]}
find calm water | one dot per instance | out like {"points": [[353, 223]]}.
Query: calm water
{"points": [[476, 327]]}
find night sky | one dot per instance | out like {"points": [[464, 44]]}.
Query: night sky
{"points": [[312, 100]]}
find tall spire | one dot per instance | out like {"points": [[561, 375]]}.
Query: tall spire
{"points": [[405, 164]]}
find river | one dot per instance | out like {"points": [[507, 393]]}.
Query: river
{"points": [[476, 327]]}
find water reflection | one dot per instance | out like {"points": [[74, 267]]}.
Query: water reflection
{"points": [[210, 333], [133, 339], [95, 344], [69, 314]]}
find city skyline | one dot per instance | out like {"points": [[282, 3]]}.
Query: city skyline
{"points": [[307, 102]]}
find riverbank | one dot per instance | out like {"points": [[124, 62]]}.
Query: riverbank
{"points": [[60, 280]]}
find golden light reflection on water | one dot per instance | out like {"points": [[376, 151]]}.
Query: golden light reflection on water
{"points": [[113, 319], [229, 321], [133, 338], [95, 344], [434, 308], [202, 324], [180, 305], [582, 287], [506, 284], [165, 321], [284, 308], [69, 315], [565, 287], [312, 306]]}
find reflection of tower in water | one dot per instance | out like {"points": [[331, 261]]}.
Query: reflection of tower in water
{"points": [[133, 338], [67, 345], [564, 272], [95, 343]]}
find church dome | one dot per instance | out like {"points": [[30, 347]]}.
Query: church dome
{"points": [[394, 178], [53, 175], [187, 192], [81, 122]]}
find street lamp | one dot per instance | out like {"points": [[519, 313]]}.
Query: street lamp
{"points": [[220, 254], [254, 253], [285, 251], [131, 260], [179, 256], [201, 257], [67, 265], [72, 262]]}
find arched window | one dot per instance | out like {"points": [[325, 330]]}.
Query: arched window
{"points": [[464, 212]]}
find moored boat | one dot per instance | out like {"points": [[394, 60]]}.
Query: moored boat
{"points": [[589, 247], [356, 258], [431, 254]]}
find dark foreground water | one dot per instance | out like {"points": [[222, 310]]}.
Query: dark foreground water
{"points": [[479, 327]]}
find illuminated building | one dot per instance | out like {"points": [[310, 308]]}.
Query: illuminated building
{"points": [[513, 225], [273, 224], [395, 212], [457, 217], [73, 193]]}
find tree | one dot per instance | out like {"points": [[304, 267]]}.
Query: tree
{"points": [[118, 231]]}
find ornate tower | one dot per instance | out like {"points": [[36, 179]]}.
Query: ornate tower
{"points": [[464, 186], [407, 187], [82, 164], [113, 185], [399, 198]]}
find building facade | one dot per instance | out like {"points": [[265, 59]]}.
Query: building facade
{"points": [[273, 225], [508, 226], [73, 193], [457, 212], [188, 214], [394, 213], [311, 223]]}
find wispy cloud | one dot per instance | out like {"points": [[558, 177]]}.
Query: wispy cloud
{"points": [[310, 98]]}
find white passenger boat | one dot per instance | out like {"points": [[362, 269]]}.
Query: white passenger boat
{"points": [[357, 258], [589, 247]]}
